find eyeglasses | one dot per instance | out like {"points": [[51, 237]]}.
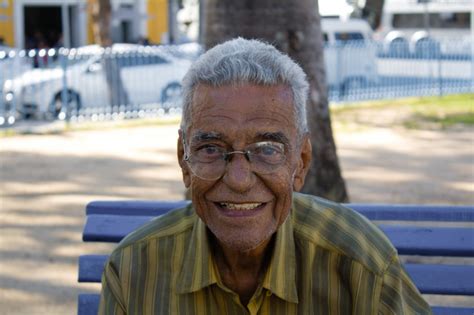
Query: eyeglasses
{"points": [[209, 161]]}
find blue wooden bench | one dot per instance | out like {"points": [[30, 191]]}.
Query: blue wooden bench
{"points": [[110, 221]]}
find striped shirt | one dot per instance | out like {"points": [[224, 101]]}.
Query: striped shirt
{"points": [[326, 259]]}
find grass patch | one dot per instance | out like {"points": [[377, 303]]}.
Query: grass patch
{"points": [[414, 113], [447, 111]]}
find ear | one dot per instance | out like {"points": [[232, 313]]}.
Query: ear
{"points": [[304, 162], [184, 167]]}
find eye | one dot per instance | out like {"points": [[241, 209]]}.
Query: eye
{"points": [[269, 148], [208, 153], [209, 149], [269, 152]]}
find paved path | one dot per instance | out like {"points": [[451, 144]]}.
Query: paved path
{"points": [[46, 181]]}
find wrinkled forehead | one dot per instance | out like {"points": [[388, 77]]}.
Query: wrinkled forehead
{"points": [[242, 112], [251, 101]]}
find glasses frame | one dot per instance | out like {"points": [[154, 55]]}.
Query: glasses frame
{"points": [[226, 158]]}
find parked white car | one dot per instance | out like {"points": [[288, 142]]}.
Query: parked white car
{"points": [[149, 75], [395, 44], [12, 63], [350, 55]]}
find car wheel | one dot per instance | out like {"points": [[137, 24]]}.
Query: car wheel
{"points": [[399, 48], [171, 96], [62, 111], [427, 48]]}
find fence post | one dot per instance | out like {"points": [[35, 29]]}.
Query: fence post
{"points": [[63, 55], [440, 73], [340, 90], [3, 106]]}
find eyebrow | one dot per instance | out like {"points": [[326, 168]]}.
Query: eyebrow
{"points": [[201, 136], [273, 136], [206, 136]]}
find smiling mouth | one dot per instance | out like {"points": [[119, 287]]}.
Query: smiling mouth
{"points": [[240, 206], [240, 209]]}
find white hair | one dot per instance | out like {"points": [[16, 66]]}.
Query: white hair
{"points": [[240, 61]]}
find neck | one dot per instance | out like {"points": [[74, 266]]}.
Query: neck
{"points": [[248, 260], [242, 271]]}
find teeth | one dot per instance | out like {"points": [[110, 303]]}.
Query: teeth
{"points": [[240, 206]]}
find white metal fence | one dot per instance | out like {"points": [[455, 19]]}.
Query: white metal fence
{"points": [[130, 81]]}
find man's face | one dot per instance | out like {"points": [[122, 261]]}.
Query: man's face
{"points": [[243, 208]]}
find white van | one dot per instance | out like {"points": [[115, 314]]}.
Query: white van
{"points": [[349, 53], [447, 20]]}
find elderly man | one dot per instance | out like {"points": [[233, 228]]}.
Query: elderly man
{"points": [[248, 243]]}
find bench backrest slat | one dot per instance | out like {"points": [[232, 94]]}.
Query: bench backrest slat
{"points": [[134, 207], [380, 212], [409, 240], [429, 278], [91, 267], [88, 304]]}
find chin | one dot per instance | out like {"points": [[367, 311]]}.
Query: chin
{"points": [[242, 244]]}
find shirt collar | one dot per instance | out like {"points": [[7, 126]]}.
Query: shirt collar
{"points": [[280, 277], [199, 271]]}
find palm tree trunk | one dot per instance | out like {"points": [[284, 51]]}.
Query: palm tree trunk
{"points": [[371, 11], [294, 28], [101, 21]]}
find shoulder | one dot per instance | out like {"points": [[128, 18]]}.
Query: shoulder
{"points": [[171, 224], [339, 229]]}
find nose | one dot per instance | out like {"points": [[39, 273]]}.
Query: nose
{"points": [[239, 176]]}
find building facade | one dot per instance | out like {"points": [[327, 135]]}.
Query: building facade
{"points": [[27, 24]]}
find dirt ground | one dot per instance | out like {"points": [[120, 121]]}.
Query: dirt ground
{"points": [[46, 180]]}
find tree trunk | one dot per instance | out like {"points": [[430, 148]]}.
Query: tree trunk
{"points": [[101, 18], [101, 21], [372, 12], [294, 28]]}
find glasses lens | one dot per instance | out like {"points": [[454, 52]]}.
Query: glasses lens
{"points": [[208, 153], [266, 157], [207, 171], [207, 162]]}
